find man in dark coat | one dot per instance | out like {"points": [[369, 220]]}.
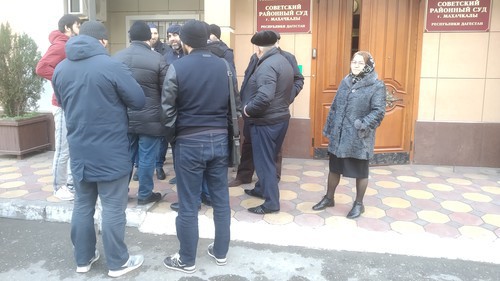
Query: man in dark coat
{"points": [[94, 91], [246, 168], [266, 111], [219, 48], [145, 128], [195, 105]]}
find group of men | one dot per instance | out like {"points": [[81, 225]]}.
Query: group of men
{"points": [[127, 108]]}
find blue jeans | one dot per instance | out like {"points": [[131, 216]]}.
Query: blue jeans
{"points": [[198, 157], [145, 148], [268, 139], [114, 198]]}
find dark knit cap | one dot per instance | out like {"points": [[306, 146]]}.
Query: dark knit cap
{"points": [[215, 30], [94, 29], [139, 31], [264, 38], [174, 28], [194, 34], [152, 25]]}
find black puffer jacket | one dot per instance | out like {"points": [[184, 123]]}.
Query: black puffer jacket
{"points": [[267, 93], [149, 69]]}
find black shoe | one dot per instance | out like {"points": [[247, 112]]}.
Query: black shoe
{"points": [[261, 210], [253, 193], [160, 174], [174, 262], [175, 206], [325, 202], [173, 181], [154, 197], [135, 177], [356, 211]]}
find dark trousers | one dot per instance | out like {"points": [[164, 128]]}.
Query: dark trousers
{"points": [[246, 167], [268, 139]]}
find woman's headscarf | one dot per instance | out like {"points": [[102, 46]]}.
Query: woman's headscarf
{"points": [[369, 66]]}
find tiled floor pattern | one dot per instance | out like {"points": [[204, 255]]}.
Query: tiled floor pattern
{"points": [[451, 202]]}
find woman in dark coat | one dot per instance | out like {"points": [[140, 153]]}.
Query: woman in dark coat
{"points": [[357, 110]]}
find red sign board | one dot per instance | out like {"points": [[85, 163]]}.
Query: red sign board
{"points": [[284, 16], [458, 16]]}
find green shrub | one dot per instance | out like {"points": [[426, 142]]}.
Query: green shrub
{"points": [[20, 87]]}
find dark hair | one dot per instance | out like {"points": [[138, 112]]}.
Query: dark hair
{"points": [[67, 21]]}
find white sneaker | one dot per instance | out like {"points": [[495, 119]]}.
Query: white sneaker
{"points": [[86, 268], [64, 194], [218, 261], [132, 263]]}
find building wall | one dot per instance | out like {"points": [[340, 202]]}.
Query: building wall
{"points": [[458, 113]]}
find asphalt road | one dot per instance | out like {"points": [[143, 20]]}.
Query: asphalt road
{"points": [[36, 250]]}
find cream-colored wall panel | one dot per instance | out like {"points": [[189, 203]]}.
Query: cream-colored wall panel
{"points": [[459, 100], [115, 47], [300, 106], [493, 64], [185, 5], [153, 5], [430, 52], [427, 99], [218, 12], [243, 50], [495, 15], [463, 55], [123, 5], [245, 21], [303, 51], [492, 101], [116, 25]]}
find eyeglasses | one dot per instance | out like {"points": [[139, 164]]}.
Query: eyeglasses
{"points": [[358, 62]]}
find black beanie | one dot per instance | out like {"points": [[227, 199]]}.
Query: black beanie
{"points": [[264, 38], [194, 34], [140, 31], [215, 30], [94, 29]]}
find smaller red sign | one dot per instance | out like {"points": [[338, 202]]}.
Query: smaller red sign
{"points": [[458, 16], [284, 16]]}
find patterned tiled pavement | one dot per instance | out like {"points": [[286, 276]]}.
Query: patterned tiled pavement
{"points": [[422, 210]]}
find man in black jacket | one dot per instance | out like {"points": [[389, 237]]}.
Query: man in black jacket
{"points": [[246, 167], [266, 102], [145, 128], [195, 106]]}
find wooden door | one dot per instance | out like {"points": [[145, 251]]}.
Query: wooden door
{"points": [[388, 30]]}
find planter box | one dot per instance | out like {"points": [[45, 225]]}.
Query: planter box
{"points": [[19, 137]]}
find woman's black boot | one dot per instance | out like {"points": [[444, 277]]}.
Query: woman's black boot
{"points": [[325, 202], [356, 211]]}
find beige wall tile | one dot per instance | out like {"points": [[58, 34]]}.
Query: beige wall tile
{"points": [[302, 52], [493, 63], [123, 6], [116, 27], [245, 20], [495, 15], [300, 106], [218, 12], [427, 99], [243, 50], [430, 52], [491, 111], [185, 5], [463, 55], [459, 100]]}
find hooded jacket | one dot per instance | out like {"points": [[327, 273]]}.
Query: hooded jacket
{"points": [[54, 55], [363, 101], [148, 69], [94, 91]]}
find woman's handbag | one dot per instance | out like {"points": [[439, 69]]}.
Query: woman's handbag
{"points": [[233, 128]]}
